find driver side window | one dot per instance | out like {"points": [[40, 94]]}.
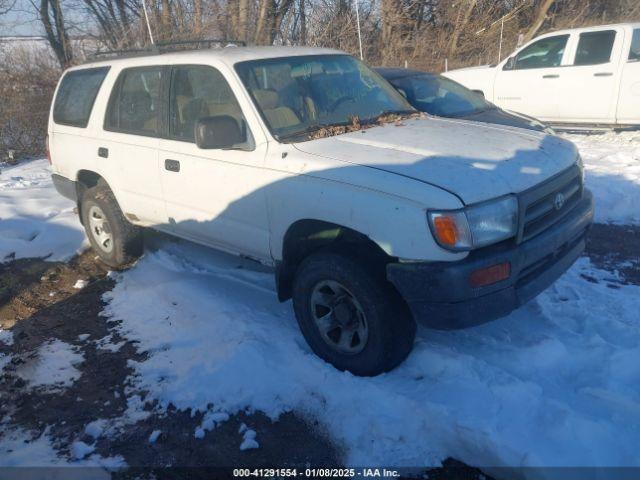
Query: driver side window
{"points": [[545, 53]]}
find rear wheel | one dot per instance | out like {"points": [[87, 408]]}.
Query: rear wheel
{"points": [[116, 241], [350, 316]]}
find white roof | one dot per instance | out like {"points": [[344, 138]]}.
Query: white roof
{"points": [[228, 54], [591, 28]]}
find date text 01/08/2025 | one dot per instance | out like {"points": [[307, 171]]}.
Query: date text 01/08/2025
{"points": [[316, 472]]}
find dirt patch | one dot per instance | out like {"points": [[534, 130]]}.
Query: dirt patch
{"points": [[41, 302], [616, 248]]}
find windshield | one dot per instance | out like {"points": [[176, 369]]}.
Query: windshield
{"points": [[440, 96], [299, 95]]}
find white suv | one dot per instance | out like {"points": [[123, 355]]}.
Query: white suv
{"points": [[304, 159]]}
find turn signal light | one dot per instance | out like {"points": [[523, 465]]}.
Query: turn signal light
{"points": [[490, 275], [446, 230]]}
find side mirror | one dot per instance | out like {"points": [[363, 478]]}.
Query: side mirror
{"points": [[511, 63], [219, 132]]}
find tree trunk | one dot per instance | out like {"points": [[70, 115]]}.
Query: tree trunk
{"points": [[243, 12], [460, 25], [55, 30], [261, 26], [303, 22], [541, 16], [197, 13]]}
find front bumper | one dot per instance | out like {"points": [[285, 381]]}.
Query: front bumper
{"points": [[439, 293]]}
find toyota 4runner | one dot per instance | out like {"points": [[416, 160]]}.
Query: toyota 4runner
{"points": [[373, 216]]}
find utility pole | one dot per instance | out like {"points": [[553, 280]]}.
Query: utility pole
{"points": [[146, 17]]}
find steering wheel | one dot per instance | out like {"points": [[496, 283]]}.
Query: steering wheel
{"points": [[338, 102]]}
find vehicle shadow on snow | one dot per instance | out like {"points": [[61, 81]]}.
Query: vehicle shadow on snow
{"points": [[448, 383]]}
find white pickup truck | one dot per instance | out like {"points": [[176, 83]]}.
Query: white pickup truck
{"points": [[304, 159], [581, 76]]}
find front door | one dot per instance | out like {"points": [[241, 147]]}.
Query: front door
{"points": [[212, 196], [528, 82]]}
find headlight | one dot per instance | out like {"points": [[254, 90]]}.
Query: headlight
{"points": [[475, 226]]}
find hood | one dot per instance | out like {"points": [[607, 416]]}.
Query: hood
{"points": [[474, 161], [502, 117]]}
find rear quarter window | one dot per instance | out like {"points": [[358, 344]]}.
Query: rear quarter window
{"points": [[76, 95]]}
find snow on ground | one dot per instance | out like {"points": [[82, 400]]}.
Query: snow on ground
{"points": [[612, 162], [35, 221], [19, 448], [54, 366], [555, 383], [6, 338]]}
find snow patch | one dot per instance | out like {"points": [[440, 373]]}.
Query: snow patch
{"points": [[249, 441], [53, 367], [154, 436], [36, 221], [79, 450], [80, 284], [96, 428], [6, 337], [612, 164]]}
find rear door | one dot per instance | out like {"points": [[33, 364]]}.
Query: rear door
{"points": [[528, 83], [589, 84], [129, 143], [629, 98]]}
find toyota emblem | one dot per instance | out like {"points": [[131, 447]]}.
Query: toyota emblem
{"points": [[558, 202]]}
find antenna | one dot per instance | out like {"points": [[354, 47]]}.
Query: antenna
{"points": [[358, 22], [146, 17]]}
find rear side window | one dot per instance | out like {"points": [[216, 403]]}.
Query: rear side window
{"points": [[134, 106], [595, 48], [76, 95], [634, 53]]}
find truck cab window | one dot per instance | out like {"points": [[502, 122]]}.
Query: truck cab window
{"points": [[544, 53], [595, 48], [634, 53]]}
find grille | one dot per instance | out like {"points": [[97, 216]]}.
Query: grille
{"points": [[545, 204]]}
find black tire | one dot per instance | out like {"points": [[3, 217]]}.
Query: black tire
{"points": [[390, 326], [126, 239]]}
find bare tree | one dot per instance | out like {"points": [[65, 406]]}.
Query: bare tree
{"points": [[52, 19], [539, 19]]}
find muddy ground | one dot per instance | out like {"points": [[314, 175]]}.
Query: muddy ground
{"points": [[39, 302]]}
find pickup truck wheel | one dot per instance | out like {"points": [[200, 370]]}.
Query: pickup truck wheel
{"points": [[116, 241], [349, 316]]}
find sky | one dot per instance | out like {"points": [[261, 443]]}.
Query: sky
{"points": [[23, 20], [20, 20]]}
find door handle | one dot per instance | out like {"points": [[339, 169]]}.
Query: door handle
{"points": [[172, 165], [603, 74], [551, 76], [103, 152]]}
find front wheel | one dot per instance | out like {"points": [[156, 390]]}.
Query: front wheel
{"points": [[350, 316]]}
